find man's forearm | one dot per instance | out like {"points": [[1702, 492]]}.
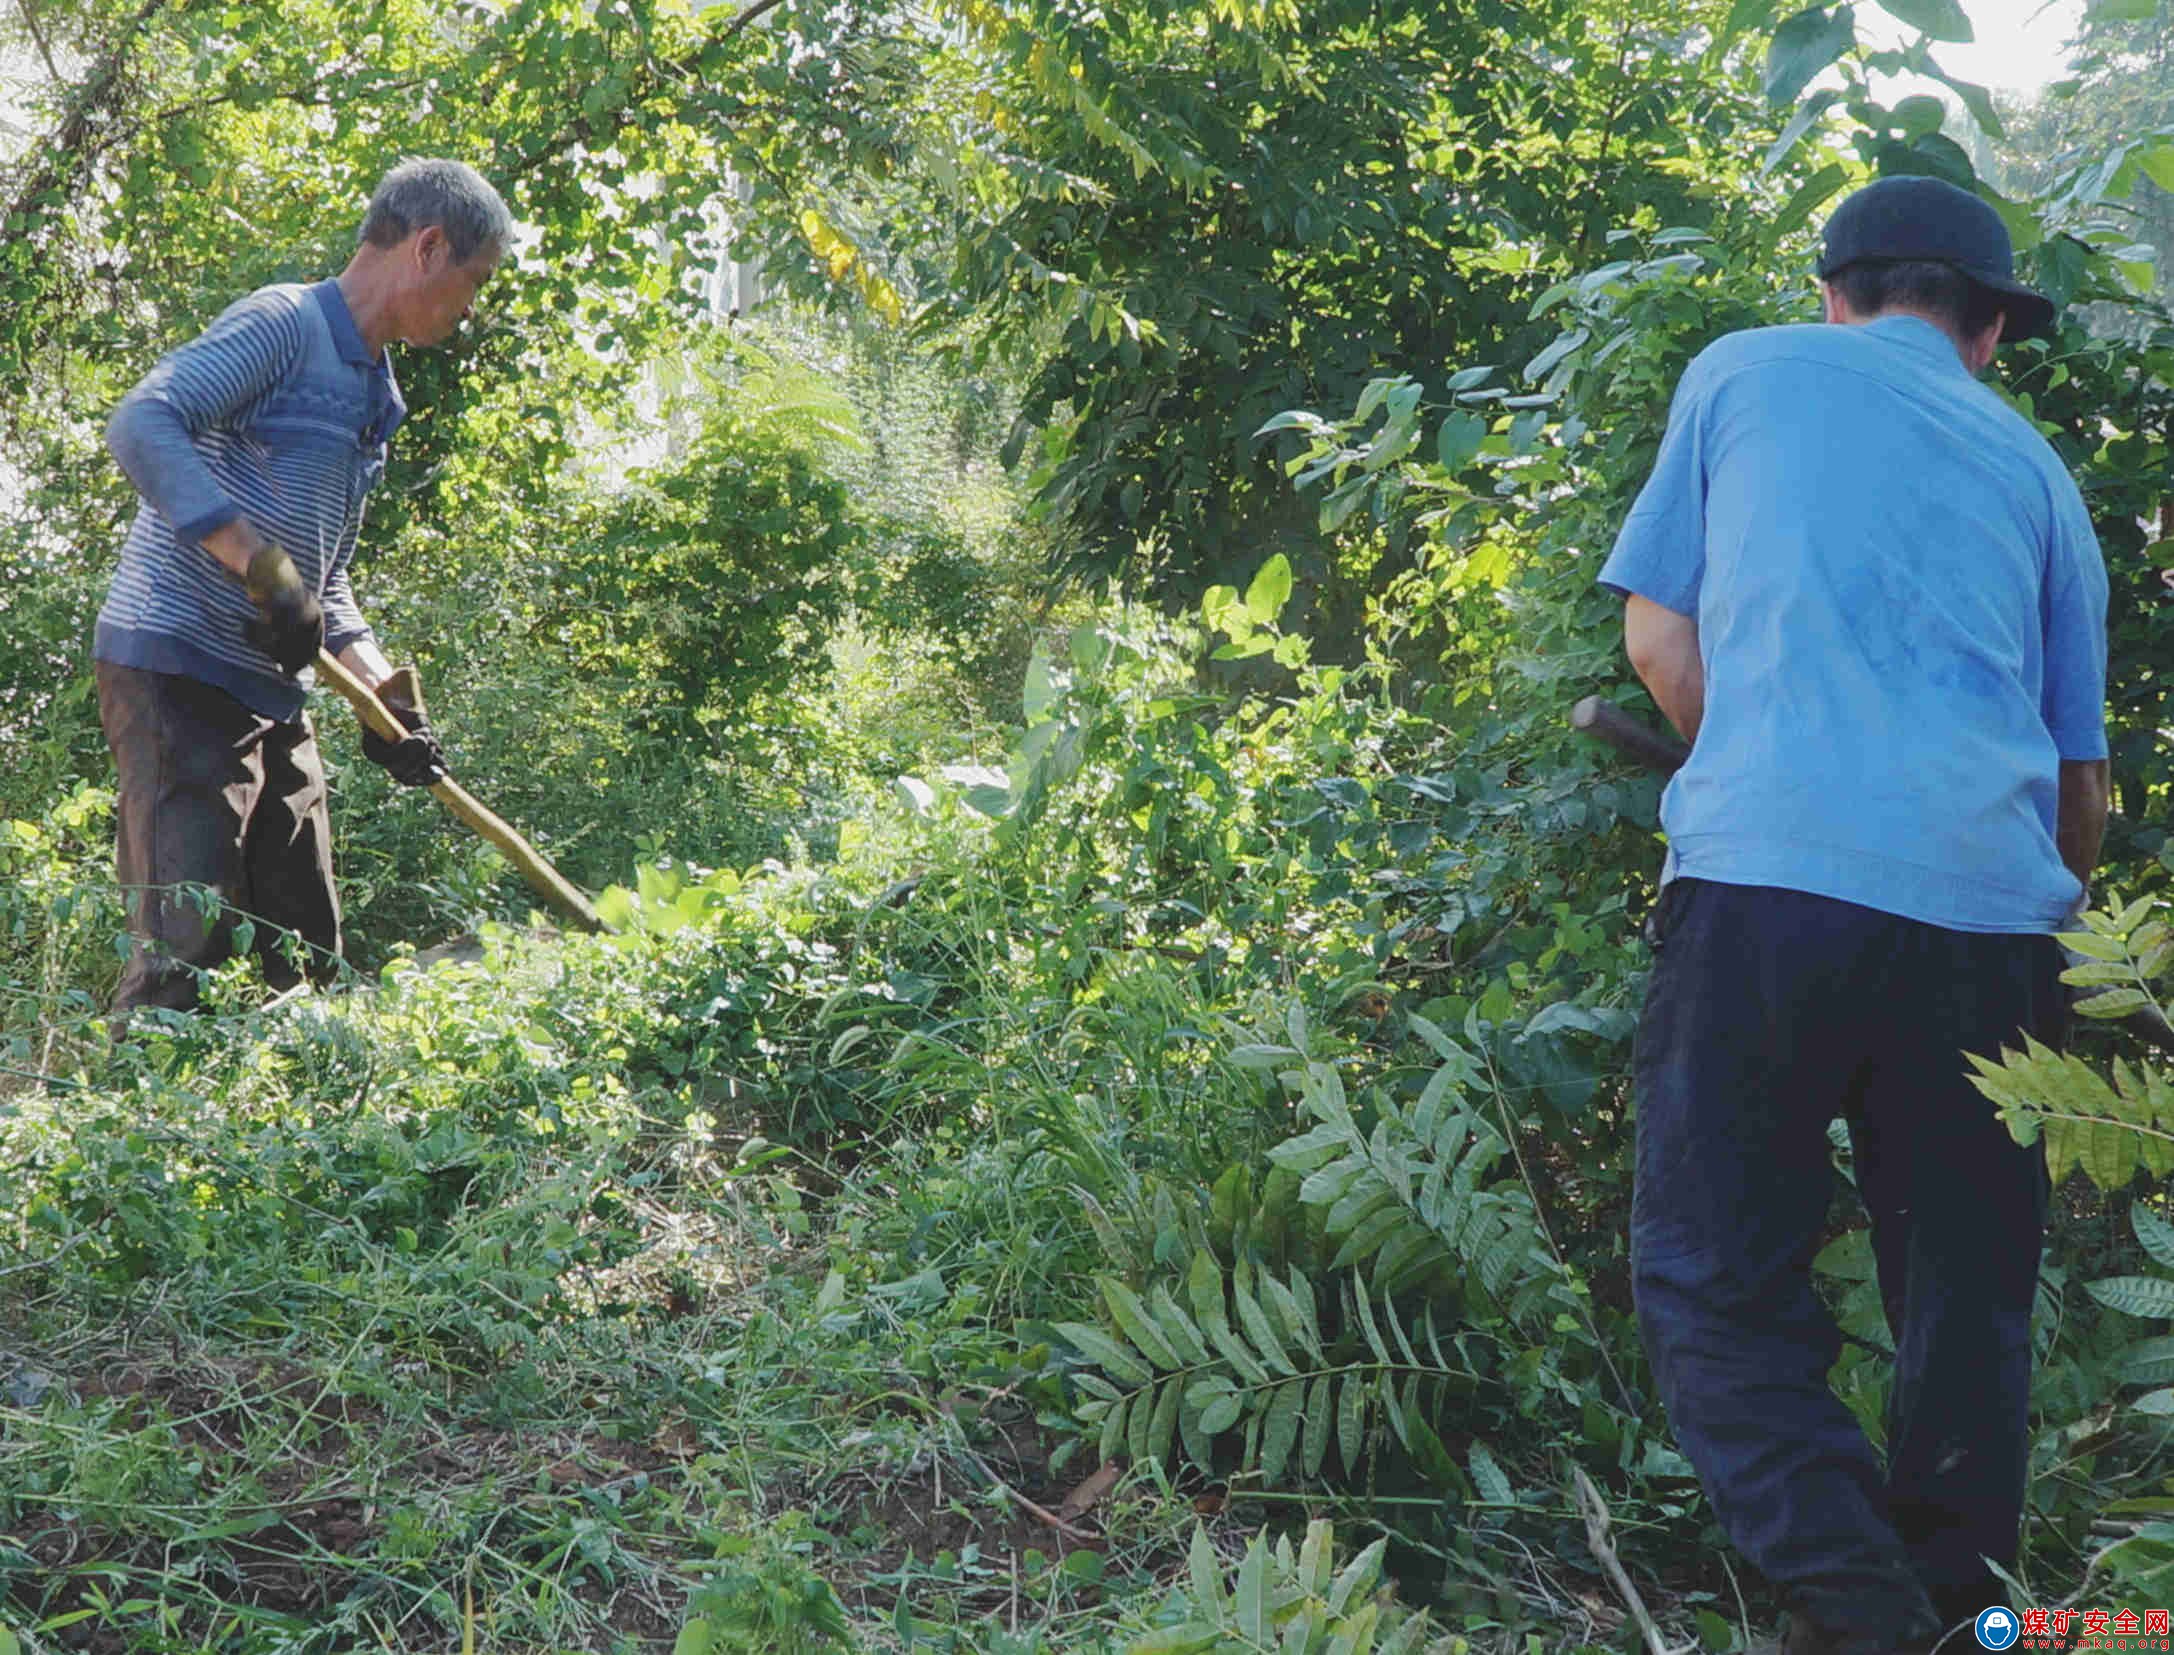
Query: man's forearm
{"points": [[2080, 823], [1663, 649], [234, 543], [366, 661]]}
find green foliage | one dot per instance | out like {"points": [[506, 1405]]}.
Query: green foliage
{"points": [[1101, 1060], [1299, 1603], [761, 1598], [1209, 1351], [705, 586], [2106, 1128]]}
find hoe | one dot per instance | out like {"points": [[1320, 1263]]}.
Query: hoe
{"points": [[546, 881]]}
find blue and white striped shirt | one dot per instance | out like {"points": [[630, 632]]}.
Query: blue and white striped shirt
{"points": [[275, 413]]}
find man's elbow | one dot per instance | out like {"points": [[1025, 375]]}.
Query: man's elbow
{"points": [[1657, 640], [125, 433]]}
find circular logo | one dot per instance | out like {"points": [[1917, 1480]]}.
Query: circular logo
{"points": [[1997, 1627]]}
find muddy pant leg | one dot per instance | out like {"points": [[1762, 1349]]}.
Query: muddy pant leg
{"points": [[289, 858], [1746, 1050], [1958, 1210], [189, 774]]}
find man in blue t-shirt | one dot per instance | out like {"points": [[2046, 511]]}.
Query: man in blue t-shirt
{"points": [[253, 448], [1869, 595]]}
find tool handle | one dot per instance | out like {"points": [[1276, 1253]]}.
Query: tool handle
{"points": [[1652, 748], [545, 880]]}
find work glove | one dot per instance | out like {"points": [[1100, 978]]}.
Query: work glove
{"points": [[416, 760], [291, 624]]}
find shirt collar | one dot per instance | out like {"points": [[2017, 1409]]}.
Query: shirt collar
{"points": [[392, 407], [1919, 337], [342, 322]]}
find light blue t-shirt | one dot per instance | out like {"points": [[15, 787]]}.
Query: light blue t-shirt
{"points": [[1902, 614]]}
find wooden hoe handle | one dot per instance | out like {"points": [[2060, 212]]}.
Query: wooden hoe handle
{"points": [[1631, 737], [545, 880]]}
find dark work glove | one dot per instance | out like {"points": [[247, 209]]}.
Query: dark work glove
{"points": [[291, 624], [416, 760]]}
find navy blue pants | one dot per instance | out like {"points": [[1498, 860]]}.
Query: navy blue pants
{"points": [[1770, 1012]]}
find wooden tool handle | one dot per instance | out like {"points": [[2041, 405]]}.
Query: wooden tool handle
{"points": [[545, 880], [1650, 747]]}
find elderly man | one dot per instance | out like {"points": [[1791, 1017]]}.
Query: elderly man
{"points": [[253, 448], [1870, 596]]}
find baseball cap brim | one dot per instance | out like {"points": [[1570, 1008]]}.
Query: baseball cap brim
{"points": [[2030, 314]]}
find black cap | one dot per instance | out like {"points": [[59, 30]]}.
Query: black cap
{"points": [[1929, 218]]}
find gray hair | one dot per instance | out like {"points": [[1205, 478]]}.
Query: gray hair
{"points": [[449, 194]]}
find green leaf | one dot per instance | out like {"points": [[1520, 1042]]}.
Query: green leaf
{"points": [[1320, 1425], [1359, 1577], [2114, 1002], [1942, 19], [1848, 1256], [2147, 1362], [1261, 1331], [2093, 946], [1975, 98], [1367, 1323], [1140, 1428], [2155, 1402], [1814, 193], [1177, 1327], [1488, 1477], [1106, 1353], [1270, 591], [1132, 1316], [1204, 1286], [1351, 1422], [2154, 1232], [1805, 45], [1279, 1429], [1112, 1441], [1808, 113], [1564, 343], [1745, 14], [1236, 1353], [1252, 1593], [1162, 1428], [1193, 1638], [1206, 1570], [695, 1638], [1222, 1413], [1340, 505], [1460, 439], [2121, 11], [2135, 1295], [2156, 158], [2108, 1153], [1297, 1325]]}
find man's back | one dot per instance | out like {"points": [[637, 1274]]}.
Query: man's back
{"points": [[1901, 612]]}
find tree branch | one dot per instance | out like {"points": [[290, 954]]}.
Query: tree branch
{"points": [[30, 22]]}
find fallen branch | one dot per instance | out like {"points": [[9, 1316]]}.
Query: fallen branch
{"points": [[1597, 1525], [1079, 1537], [52, 1258]]}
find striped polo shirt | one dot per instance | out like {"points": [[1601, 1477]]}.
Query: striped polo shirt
{"points": [[276, 413]]}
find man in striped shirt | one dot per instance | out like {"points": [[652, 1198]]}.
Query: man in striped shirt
{"points": [[253, 448]]}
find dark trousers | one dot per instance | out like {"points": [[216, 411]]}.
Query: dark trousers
{"points": [[212, 794], [1768, 1013]]}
